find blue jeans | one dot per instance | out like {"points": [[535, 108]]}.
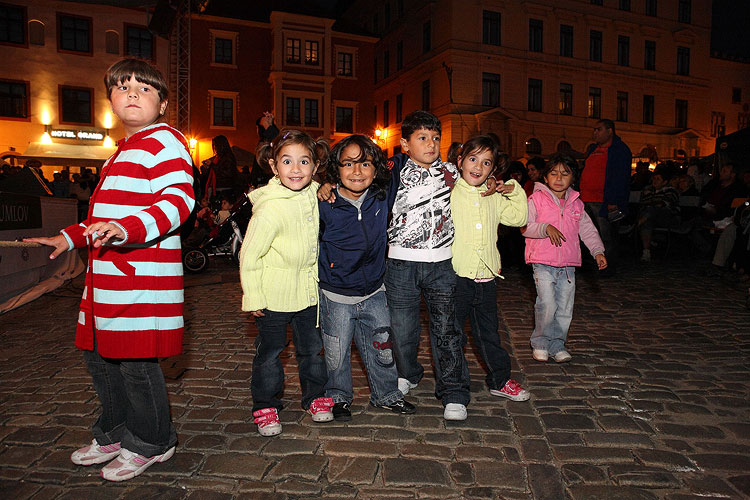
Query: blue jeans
{"points": [[268, 373], [135, 406], [478, 301], [405, 282], [553, 311], [369, 324]]}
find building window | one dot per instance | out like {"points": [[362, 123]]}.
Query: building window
{"points": [[387, 15], [344, 64], [595, 103], [376, 24], [399, 55], [595, 46], [490, 27], [648, 109], [399, 107], [566, 40], [311, 113], [623, 50], [293, 111], [596, 2], [717, 124], [386, 64], [533, 146], [622, 106], [426, 95], [683, 11], [75, 33], [223, 113], [680, 113], [311, 52], [344, 120], [736, 95], [223, 51], [139, 42], [400, 7], [743, 120], [651, 8], [683, 61], [649, 57], [36, 32], [536, 35], [375, 69], [14, 99], [12, 25], [624, 5], [564, 147], [535, 94], [426, 37], [76, 105], [112, 42], [386, 113], [490, 90], [293, 50], [566, 99]]}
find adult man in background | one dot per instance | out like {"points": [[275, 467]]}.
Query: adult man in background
{"points": [[605, 184]]}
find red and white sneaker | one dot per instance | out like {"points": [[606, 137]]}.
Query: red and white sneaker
{"points": [[95, 454], [512, 390], [268, 422], [320, 409]]}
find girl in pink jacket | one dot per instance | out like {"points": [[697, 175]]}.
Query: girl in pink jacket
{"points": [[556, 221]]}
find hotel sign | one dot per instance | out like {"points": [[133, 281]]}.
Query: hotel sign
{"points": [[82, 135]]}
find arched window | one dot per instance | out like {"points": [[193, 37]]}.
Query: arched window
{"points": [[533, 146], [36, 32], [112, 42], [564, 147]]}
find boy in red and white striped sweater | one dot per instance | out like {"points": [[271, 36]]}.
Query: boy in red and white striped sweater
{"points": [[131, 311]]}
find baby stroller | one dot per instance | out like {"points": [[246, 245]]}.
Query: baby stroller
{"points": [[224, 239]]}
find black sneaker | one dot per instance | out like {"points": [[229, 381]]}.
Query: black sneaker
{"points": [[341, 412], [401, 406]]}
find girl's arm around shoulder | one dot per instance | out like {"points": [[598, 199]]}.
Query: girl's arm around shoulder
{"points": [[589, 235], [513, 207], [533, 228], [258, 239]]}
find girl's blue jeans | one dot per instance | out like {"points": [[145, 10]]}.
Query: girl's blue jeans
{"points": [[553, 311], [369, 324]]}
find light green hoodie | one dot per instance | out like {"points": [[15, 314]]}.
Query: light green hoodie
{"points": [[279, 255]]}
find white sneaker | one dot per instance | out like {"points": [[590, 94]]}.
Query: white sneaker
{"points": [[95, 453], [563, 356], [455, 411], [646, 256], [405, 386], [540, 354], [129, 464]]}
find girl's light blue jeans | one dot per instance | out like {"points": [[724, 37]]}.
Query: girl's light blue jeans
{"points": [[553, 311]]}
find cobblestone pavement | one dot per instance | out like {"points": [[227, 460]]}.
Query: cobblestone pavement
{"points": [[655, 404]]}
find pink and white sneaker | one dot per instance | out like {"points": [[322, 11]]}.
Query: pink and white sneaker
{"points": [[320, 409], [513, 391], [130, 464], [95, 454], [268, 422]]}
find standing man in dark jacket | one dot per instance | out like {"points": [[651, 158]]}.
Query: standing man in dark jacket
{"points": [[605, 183]]}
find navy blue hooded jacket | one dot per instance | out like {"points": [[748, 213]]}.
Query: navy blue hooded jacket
{"points": [[616, 176]]}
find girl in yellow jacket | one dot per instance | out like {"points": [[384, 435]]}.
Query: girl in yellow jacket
{"points": [[476, 259], [279, 277]]}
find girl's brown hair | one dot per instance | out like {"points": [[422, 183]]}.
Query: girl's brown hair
{"points": [[481, 143], [143, 71], [318, 148]]}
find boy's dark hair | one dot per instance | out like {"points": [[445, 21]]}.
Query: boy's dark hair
{"points": [[453, 152], [480, 143], [537, 161], [318, 148], [516, 167], [561, 159], [367, 149], [417, 120], [143, 71], [608, 124]]}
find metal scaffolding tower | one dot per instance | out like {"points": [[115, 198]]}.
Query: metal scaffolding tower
{"points": [[179, 66]]}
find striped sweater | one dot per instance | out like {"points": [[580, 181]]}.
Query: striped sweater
{"points": [[133, 294]]}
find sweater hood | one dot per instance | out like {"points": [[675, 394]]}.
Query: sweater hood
{"points": [[571, 194], [274, 190]]}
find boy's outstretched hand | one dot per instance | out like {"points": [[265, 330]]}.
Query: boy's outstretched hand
{"points": [[555, 236], [325, 192], [601, 261], [103, 232]]}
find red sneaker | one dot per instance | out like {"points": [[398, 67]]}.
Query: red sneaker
{"points": [[320, 409], [512, 390], [268, 422]]}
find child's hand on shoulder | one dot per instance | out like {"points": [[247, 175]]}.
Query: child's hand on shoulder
{"points": [[325, 192], [504, 188], [555, 236], [257, 314], [601, 261], [104, 232]]}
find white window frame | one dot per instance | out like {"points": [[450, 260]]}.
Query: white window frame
{"points": [[355, 113], [310, 96], [223, 94], [231, 35], [355, 57], [304, 37]]}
